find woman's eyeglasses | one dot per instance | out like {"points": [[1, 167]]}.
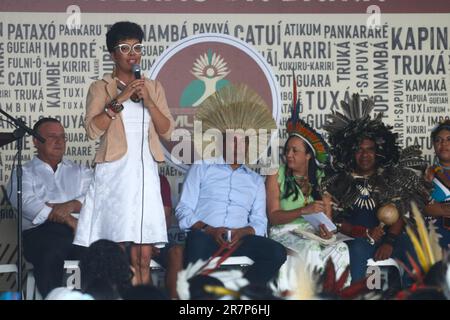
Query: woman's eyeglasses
{"points": [[125, 48], [439, 140]]}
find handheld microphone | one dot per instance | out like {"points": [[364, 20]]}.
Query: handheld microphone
{"points": [[137, 75], [137, 71]]}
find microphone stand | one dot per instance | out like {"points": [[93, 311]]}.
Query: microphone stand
{"points": [[18, 135], [21, 124]]}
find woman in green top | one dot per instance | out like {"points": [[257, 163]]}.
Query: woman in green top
{"points": [[294, 192]]}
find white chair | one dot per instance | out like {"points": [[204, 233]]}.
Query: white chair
{"points": [[155, 267], [157, 272], [384, 266], [236, 261], [73, 264], [8, 268], [32, 292], [386, 263]]}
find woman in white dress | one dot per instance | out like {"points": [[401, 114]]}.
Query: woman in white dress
{"points": [[128, 114]]}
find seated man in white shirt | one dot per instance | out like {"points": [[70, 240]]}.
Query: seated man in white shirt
{"points": [[52, 189]]}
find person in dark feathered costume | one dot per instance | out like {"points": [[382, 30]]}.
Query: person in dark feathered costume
{"points": [[372, 182]]}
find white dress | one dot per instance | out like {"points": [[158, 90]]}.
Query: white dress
{"points": [[124, 202]]}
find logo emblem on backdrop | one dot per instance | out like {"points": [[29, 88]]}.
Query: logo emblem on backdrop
{"points": [[196, 67], [210, 70]]}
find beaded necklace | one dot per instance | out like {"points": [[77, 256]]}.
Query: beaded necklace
{"points": [[438, 168], [303, 182]]}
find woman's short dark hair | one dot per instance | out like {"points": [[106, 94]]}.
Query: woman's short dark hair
{"points": [[123, 30]]}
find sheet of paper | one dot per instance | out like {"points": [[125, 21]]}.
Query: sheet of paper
{"points": [[316, 219], [342, 237]]}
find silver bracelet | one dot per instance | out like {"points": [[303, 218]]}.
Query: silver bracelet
{"points": [[369, 238]]}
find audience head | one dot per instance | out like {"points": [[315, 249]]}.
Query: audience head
{"points": [[298, 153], [441, 142], [124, 42], [299, 156], [105, 266], [54, 147], [366, 157]]}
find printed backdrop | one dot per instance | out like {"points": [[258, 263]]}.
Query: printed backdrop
{"points": [[46, 65]]}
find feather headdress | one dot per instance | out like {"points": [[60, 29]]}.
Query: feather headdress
{"points": [[332, 287], [396, 180], [238, 110], [235, 107], [304, 282], [348, 129], [426, 244], [431, 270], [299, 128]]}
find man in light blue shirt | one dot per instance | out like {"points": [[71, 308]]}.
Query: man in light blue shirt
{"points": [[227, 202]]}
